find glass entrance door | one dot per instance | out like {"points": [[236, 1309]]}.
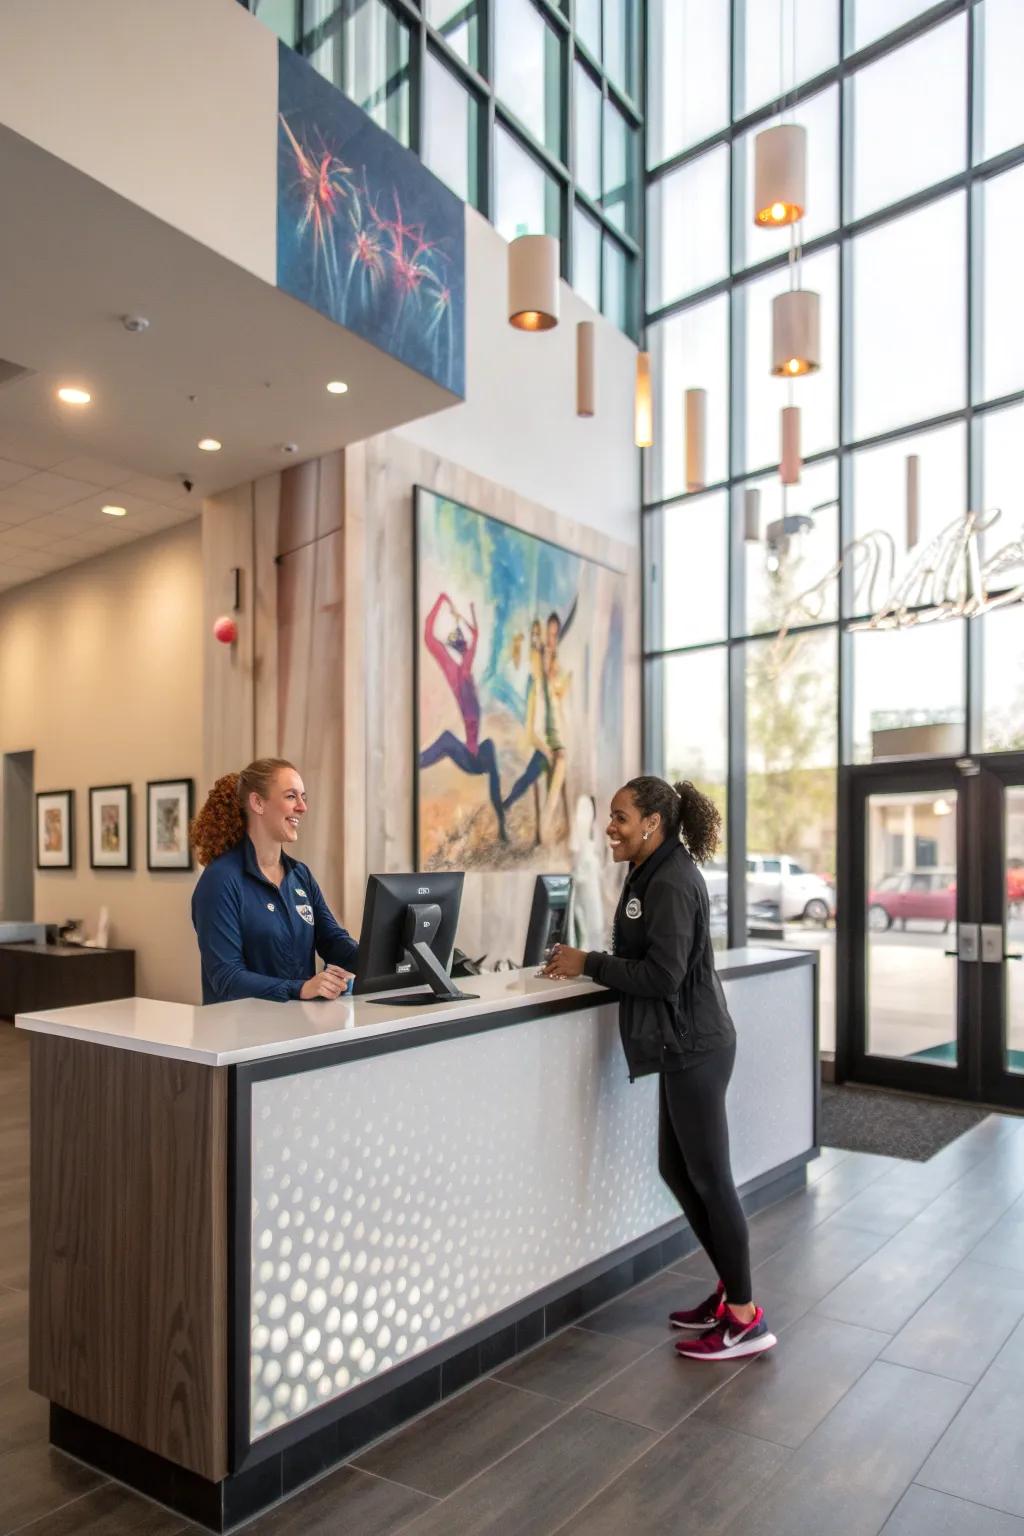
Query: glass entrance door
{"points": [[934, 929], [1001, 935]]}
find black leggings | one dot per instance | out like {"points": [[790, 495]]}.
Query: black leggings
{"points": [[697, 1166]]}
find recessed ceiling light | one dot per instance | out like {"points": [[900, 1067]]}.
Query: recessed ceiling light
{"points": [[72, 396], [209, 444], [337, 387], [116, 511]]}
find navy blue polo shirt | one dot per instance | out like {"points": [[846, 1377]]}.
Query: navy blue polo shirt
{"points": [[257, 939]]}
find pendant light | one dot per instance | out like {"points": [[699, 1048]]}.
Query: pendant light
{"points": [[585, 392], [752, 515], [533, 283], [696, 432], [790, 463], [913, 499], [643, 404], [796, 333], [780, 175]]}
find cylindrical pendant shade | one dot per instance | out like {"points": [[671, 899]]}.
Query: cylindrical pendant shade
{"points": [[585, 368], [643, 403], [533, 283], [752, 515], [796, 333], [780, 175], [696, 432], [913, 499], [789, 466]]}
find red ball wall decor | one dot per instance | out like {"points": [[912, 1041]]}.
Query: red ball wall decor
{"points": [[225, 629]]}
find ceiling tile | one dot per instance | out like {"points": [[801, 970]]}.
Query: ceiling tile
{"points": [[60, 488], [11, 473], [23, 446], [95, 471], [170, 492], [28, 536], [12, 514]]}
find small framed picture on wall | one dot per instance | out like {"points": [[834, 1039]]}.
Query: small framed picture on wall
{"points": [[110, 827], [168, 813], [55, 829]]}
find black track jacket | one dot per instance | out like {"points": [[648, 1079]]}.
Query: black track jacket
{"points": [[671, 1005]]}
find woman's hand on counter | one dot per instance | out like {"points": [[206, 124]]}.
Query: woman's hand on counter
{"points": [[565, 963], [329, 983]]}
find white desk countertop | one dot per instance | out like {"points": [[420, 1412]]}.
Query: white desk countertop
{"points": [[252, 1030]]}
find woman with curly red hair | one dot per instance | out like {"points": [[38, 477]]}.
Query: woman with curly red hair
{"points": [[260, 917], [674, 1021]]}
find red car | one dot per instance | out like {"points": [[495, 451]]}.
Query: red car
{"points": [[922, 894]]}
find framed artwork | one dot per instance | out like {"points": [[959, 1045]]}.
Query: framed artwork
{"points": [[168, 813], [55, 829], [519, 691], [110, 827]]}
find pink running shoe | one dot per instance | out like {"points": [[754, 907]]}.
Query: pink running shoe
{"points": [[730, 1339], [702, 1317]]}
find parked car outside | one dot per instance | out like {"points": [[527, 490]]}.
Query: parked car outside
{"points": [[915, 895], [776, 885]]}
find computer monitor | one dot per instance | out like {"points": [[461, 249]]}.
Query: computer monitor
{"points": [[549, 917], [408, 935]]}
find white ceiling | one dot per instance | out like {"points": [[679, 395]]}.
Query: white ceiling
{"points": [[225, 355]]}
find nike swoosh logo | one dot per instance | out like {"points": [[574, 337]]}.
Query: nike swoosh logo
{"points": [[733, 1338]]}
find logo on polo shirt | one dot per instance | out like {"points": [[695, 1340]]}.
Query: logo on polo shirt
{"points": [[633, 907], [299, 891], [305, 912]]}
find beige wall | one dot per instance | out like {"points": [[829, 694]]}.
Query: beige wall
{"points": [[101, 677], [518, 425], [171, 103]]}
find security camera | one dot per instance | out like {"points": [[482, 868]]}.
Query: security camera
{"points": [[187, 483], [289, 447], [135, 323]]}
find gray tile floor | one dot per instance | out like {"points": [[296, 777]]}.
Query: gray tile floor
{"points": [[894, 1402]]}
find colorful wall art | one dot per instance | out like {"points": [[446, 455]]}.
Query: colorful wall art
{"points": [[519, 656], [365, 233]]}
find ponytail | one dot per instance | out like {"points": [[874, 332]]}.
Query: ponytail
{"points": [[221, 823], [685, 813]]}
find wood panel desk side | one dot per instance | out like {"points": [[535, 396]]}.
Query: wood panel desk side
{"points": [[128, 1319]]}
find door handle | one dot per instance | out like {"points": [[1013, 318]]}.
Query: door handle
{"points": [[1013, 957]]}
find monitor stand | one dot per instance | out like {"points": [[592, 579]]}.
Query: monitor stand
{"points": [[431, 971]]}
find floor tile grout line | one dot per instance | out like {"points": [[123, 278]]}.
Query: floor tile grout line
{"points": [[48, 1514], [661, 1436], [998, 1509]]}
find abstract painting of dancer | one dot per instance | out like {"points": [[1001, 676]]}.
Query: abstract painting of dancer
{"points": [[455, 656], [524, 696]]}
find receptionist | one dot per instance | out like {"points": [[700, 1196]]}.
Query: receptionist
{"points": [[259, 915]]}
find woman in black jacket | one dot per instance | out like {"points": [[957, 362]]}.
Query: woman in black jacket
{"points": [[674, 1021]]}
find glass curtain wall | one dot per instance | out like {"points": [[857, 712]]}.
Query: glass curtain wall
{"points": [[530, 110], [755, 686]]}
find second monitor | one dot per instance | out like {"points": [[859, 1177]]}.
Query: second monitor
{"points": [[549, 917], [408, 935]]}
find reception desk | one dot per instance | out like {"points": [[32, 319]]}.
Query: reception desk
{"points": [[264, 1234]]}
